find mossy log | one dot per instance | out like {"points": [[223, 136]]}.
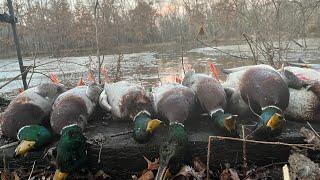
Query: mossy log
{"points": [[121, 156]]}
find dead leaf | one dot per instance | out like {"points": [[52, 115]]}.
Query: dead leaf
{"points": [[301, 167], [229, 174], [198, 165], [4, 175], [101, 175], [310, 136], [187, 172], [152, 165], [147, 176], [15, 175]]}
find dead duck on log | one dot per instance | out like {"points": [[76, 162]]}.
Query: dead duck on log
{"points": [[75, 107], [71, 151], [212, 99], [305, 65], [304, 103], [25, 114], [260, 89], [174, 103], [128, 100], [69, 118]]}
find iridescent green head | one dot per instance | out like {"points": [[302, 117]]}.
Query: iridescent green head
{"points": [[172, 151], [144, 126], [272, 117], [32, 137], [71, 151], [225, 121], [271, 123]]}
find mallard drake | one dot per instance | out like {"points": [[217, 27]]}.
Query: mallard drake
{"points": [[262, 90], [174, 103], [128, 100], [32, 137], [304, 103], [71, 151], [212, 98], [306, 65], [30, 107], [74, 106]]}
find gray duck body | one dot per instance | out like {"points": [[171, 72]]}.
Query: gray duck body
{"points": [[209, 92], [304, 103], [174, 102], [259, 86]]}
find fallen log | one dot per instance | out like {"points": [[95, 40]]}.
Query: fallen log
{"points": [[120, 156]]}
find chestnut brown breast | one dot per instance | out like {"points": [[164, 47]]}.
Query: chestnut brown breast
{"points": [[135, 101], [70, 110], [20, 112]]}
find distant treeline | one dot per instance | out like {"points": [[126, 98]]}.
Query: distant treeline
{"points": [[55, 26]]}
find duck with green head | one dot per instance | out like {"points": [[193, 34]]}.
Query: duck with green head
{"points": [[174, 103], [28, 110], [75, 106], [32, 106], [32, 137], [71, 151], [212, 99], [69, 118], [128, 100], [261, 90], [304, 103]]}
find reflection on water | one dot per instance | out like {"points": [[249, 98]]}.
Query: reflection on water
{"points": [[148, 68]]}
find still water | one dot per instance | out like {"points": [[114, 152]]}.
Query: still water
{"points": [[148, 68]]}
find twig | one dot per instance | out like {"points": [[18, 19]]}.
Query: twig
{"points": [[9, 145], [262, 168], [250, 46], [122, 133], [244, 152], [34, 65], [4, 161], [96, 16], [34, 163], [16, 77], [306, 146], [99, 157], [315, 132], [241, 57], [208, 157], [249, 104], [286, 174]]}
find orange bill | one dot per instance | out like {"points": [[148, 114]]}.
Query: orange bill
{"points": [[80, 82], [54, 78], [104, 72], [90, 77], [214, 70], [178, 79]]}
